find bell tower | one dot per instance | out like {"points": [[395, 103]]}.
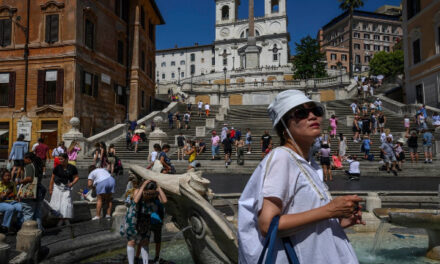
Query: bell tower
{"points": [[274, 8], [226, 11]]}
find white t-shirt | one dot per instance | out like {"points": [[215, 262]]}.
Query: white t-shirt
{"points": [[153, 156], [353, 106], [365, 87], [200, 104], [57, 151], [354, 166], [98, 175], [35, 146], [285, 180], [206, 106]]}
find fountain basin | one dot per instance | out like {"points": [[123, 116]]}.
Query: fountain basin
{"points": [[416, 218]]}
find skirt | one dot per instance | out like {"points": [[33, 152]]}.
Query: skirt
{"points": [[61, 201]]}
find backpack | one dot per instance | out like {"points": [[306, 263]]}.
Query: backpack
{"points": [[370, 157]]}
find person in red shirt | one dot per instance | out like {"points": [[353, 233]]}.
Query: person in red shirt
{"points": [[42, 151], [232, 134], [135, 140]]}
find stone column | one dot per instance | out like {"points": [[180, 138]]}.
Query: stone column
{"points": [[29, 240], [252, 52], [251, 19], [4, 250], [157, 136], [133, 106], [118, 217], [75, 134]]}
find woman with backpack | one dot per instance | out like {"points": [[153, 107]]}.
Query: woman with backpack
{"points": [[287, 187]]}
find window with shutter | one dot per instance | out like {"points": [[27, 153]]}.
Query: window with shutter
{"points": [[41, 87], [142, 17], [143, 61], [11, 89], [87, 83], [151, 32], [416, 51], [89, 34], [50, 87], [95, 85], [60, 87], [5, 32], [52, 25], [4, 89], [120, 52]]}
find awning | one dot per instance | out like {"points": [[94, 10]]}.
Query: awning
{"points": [[2, 132], [46, 130]]}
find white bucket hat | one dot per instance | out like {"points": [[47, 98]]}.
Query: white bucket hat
{"points": [[284, 102]]}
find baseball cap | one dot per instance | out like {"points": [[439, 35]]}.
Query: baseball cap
{"points": [[284, 102]]}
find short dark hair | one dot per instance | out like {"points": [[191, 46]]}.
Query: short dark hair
{"points": [[40, 140], [157, 146], [166, 146], [64, 156], [21, 137], [152, 185]]}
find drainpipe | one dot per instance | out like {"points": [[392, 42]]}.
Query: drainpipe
{"points": [[26, 56]]}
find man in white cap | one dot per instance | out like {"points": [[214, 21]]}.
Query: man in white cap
{"points": [[288, 184]]}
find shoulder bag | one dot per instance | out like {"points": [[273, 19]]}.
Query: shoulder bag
{"points": [[28, 190]]}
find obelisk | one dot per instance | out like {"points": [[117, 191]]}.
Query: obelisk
{"points": [[252, 52]]}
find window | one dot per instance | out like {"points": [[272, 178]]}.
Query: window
{"points": [[386, 48], [173, 63], [7, 89], [225, 12], [193, 69], [202, 60], [5, 32], [90, 34], [163, 64], [376, 37], [275, 56], [419, 94], [182, 62], [193, 57], [333, 67], [386, 38], [151, 31], [163, 76], [416, 51], [143, 99], [413, 8], [367, 59], [120, 52], [52, 28], [225, 61], [366, 36], [50, 87], [343, 57], [173, 75], [274, 6], [142, 18], [90, 83], [376, 47], [333, 56], [366, 46], [364, 26], [121, 95], [357, 46], [275, 52], [150, 69], [143, 60], [213, 61], [357, 59], [182, 74], [121, 9]]}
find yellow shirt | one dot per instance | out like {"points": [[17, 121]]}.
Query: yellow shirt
{"points": [[5, 187]]}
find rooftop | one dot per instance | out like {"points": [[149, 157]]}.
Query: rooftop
{"points": [[359, 13]]}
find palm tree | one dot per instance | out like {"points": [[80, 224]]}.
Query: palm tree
{"points": [[350, 6]]}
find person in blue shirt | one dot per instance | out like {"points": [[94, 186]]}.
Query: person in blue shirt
{"points": [[427, 145], [366, 143], [170, 119], [19, 148]]}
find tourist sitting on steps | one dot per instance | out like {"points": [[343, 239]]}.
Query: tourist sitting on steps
{"points": [[354, 168], [8, 204]]}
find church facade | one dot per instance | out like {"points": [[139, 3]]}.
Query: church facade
{"points": [[227, 52]]}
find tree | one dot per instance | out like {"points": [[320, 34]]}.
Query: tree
{"points": [[388, 64], [350, 6], [308, 53]]}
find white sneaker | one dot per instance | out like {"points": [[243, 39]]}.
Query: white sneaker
{"points": [[96, 218], [108, 216], [248, 152]]}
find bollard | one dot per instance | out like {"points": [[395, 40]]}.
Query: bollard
{"points": [[29, 239], [118, 217], [373, 201], [4, 250]]}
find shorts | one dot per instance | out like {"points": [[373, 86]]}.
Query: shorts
{"points": [[111, 160], [325, 161], [186, 122], [354, 129], [157, 231], [381, 125], [389, 158], [248, 142], [412, 149], [44, 162], [401, 156], [228, 151], [18, 163], [106, 186], [367, 151], [193, 163], [366, 130], [427, 148]]}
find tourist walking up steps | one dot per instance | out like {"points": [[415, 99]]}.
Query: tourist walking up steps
{"points": [[111, 157], [207, 110], [19, 149], [248, 140], [389, 155], [266, 139], [104, 184], [72, 152], [427, 145], [324, 153], [287, 187], [199, 107], [180, 144], [64, 177], [413, 146], [342, 146], [334, 125], [227, 148], [215, 141], [42, 151]]}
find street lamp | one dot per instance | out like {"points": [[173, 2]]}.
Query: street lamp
{"points": [[178, 71], [192, 74], [279, 59], [275, 51], [233, 62], [224, 70]]}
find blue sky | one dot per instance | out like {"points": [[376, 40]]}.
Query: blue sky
{"points": [[190, 21]]}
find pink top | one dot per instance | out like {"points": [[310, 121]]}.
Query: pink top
{"points": [[215, 140], [73, 154], [333, 122]]}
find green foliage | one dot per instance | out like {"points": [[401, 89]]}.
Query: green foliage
{"points": [[349, 5], [308, 53], [387, 64]]}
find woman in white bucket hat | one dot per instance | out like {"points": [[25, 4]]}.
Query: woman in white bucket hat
{"points": [[289, 184]]}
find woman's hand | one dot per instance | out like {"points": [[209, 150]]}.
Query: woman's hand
{"points": [[343, 206], [355, 219]]}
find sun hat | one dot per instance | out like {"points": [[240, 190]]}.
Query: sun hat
{"points": [[401, 140], [284, 102]]}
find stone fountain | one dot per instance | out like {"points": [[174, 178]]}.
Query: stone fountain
{"points": [[211, 238], [416, 218]]}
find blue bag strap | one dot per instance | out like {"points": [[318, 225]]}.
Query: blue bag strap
{"points": [[269, 241], [290, 252]]}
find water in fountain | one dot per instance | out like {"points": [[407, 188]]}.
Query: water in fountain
{"points": [[383, 228], [232, 207]]}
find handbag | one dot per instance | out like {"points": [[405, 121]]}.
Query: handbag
{"points": [[157, 166], [269, 244], [29, 190], [10, 165]]}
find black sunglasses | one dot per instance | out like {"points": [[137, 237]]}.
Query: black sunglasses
{"points": [[302, 113]]}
